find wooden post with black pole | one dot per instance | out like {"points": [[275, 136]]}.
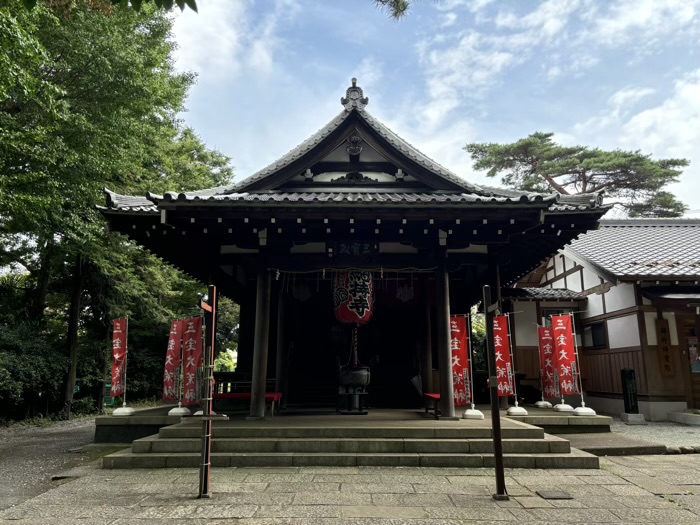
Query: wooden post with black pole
{"points": [[209, 308], [489, 309]]}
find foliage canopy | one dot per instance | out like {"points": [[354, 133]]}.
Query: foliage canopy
{"points": [[87, 101], [537, 163]]}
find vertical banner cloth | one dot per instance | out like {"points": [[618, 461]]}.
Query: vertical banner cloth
{"points": [[459, 344], [504, 361], [172, 363], [565, 351], [192, 357], [119, 337], [353, 297], [547, 360]]}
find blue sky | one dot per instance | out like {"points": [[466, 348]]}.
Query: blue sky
{"points": [[612, 74]]}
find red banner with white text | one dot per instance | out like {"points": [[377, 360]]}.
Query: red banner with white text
{"points": [[119, 349], [171, 375], [565, 350], [192, 358], [504, 361], [459, 343], [547, 362]]}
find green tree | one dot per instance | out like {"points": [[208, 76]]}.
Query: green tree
{"points": [[537, 163], [225, 362], [88, 101]]}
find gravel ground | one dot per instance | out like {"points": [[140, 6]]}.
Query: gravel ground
{"points": [[29, 456], [665, 433]]}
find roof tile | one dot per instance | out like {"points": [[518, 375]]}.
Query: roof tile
{"points": [[643, 247]]}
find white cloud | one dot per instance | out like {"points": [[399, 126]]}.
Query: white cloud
{"points": [[646, 21], [464, 65], [448, 19], [548, 19], [462, 71], [224, 38], [213, 38], [625, 99], [668, 129]]}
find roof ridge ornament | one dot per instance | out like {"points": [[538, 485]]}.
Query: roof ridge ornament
{"points": [[354, 97]]}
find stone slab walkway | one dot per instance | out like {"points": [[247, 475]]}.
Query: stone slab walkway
{"points": [[631, 489]]}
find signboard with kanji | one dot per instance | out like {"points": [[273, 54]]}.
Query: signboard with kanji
{"points": [[663, 340]]}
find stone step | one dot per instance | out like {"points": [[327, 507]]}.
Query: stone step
{"points": [[191, 430], [129, 459], [356, 445]]}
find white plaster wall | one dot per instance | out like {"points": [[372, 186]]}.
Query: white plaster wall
{"points": [[573, 282], [525, 321], [594, 306], [619, 297], [650, 325], [550, 273], [671, 318], [623, 332], [550, 262], [590, 279], [559, 283], [558, 266]]}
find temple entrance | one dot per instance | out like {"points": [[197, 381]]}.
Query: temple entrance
{"points": [[390, 344]]}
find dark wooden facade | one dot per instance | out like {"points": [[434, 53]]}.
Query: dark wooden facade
{"points": [[353, 196]]}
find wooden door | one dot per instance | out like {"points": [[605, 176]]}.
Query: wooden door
{"points": [[688, 340]]}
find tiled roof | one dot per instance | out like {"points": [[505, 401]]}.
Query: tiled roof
{"points": [[130, 203], [360, 197], [545, 294], [663, 248], [391, 137], [462, 191]]}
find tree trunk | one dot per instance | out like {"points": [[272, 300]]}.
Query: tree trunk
{"points": [[38, 302], [73, 320]]}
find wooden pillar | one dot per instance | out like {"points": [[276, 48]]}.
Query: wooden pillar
{"points": [[281, 367], [260, 344], [246, 336], [442, 300], [427, 364]]}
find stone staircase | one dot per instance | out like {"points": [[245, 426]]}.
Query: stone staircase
{"points": [[442, 444]]}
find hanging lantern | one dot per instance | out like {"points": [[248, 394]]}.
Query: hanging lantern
{"points": [[353, 296]]}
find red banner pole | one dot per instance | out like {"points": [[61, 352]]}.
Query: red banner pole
{"points": [[583, 410], [126, 357]]}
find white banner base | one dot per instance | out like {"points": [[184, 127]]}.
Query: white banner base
{"points": [[179, 411], [516, 411], [563, 407], [124, 411], [473, 413], [584, 411], [543, 404]]}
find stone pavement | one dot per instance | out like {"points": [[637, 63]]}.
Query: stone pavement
{"points": [[632, 489]]}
